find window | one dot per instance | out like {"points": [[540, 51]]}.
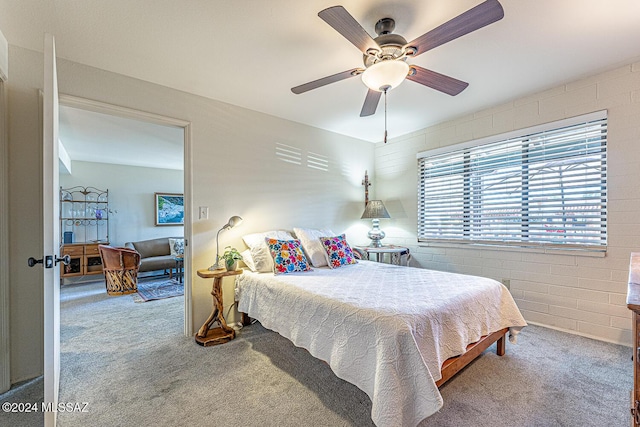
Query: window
{"points": [[543, 186]]}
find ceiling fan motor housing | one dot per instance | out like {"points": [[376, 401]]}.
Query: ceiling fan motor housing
{"points": [[385, 26], [391, 46]]}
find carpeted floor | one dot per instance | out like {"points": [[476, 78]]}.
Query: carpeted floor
{"points": [[132, 365], [157, 288]]}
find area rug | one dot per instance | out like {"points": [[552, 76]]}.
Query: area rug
{"points": [[155, 289]]}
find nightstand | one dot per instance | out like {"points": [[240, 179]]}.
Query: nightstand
{"points": [[207, 336], [395, 253]]}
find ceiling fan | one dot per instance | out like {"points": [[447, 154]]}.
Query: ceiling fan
{"points": [[385, 57]]}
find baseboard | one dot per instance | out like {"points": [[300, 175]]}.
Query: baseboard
{"points": [[582, 334]]}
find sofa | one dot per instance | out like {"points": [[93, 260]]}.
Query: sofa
{"points": [[155, 254]]}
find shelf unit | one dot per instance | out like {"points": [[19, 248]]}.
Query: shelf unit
{"points": [[84, 224], [84, 211]]}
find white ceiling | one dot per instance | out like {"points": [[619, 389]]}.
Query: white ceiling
{"points": [[95, 137], [250, 53]]}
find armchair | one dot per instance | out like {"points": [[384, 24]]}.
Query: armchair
{"points": [[120, 267]]}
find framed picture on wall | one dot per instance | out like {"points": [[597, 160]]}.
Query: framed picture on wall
{"points": [[169, 209]]}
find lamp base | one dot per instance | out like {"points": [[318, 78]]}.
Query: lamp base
{"points": [[375, 243], [376, 235], [216, 266]]}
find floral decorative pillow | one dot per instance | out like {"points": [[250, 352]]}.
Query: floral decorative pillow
{"points": [[287, 256], [338, 251], [260, 252]]}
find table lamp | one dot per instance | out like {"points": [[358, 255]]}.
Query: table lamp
{"points": [[233, 221], [375, 210]]}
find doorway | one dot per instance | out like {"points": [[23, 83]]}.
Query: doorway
{"points": [[122, 117]]}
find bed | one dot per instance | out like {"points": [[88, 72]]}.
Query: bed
{"points": [[386, 329]]}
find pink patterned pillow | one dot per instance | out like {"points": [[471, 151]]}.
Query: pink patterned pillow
{"points": [[338, 251], [287, 256]]}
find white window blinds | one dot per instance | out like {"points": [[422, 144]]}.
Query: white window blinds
{"points": [[544, 188]]}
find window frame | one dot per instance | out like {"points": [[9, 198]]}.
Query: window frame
{"points": [[463, 234]]}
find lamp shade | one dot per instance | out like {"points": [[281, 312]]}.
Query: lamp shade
{"points": [[385, 75], [233, 221], [375, 209]]}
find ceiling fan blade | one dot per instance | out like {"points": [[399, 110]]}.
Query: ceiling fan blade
{"points": [[326, 80], [473, 19], [370, 103], [345, 24], [437, 81]]}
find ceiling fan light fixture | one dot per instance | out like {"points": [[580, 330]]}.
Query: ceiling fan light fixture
{"points": [[385, 75]]}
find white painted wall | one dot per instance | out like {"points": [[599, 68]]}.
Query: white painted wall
{"points": [[235, 172], [25, 215], [131, 194], [580, 294]]}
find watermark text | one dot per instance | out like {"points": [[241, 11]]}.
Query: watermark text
{"points": [[23, 407]]}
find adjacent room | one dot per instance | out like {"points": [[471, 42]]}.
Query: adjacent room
{"points": [[389, 213], [114, 171]]}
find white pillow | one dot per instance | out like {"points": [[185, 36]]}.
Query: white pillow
{"points": [[310, 239], [248, 259], [262, 260], [177, 247]]}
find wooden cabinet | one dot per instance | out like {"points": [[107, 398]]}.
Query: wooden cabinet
{"points": [[85, 259], [633, 303], [84, 223]]}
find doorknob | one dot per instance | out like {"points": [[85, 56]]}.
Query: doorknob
{"points": [[66, 260], [32, 261], [49, 264]]}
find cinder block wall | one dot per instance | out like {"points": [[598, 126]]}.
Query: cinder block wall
{"points": [[581, 293]]}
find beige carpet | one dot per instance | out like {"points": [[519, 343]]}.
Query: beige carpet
{"points": [[134, 367]]}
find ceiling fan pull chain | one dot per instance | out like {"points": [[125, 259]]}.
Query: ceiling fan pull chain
{"points": [[385, 116]]}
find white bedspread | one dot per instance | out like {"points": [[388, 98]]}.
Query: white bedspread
{"points": [[384, 328]]}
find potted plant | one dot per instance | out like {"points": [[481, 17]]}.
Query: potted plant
{"points": [[231, 256]]}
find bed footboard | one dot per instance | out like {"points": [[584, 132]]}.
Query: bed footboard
{"points": [[453, 365]]}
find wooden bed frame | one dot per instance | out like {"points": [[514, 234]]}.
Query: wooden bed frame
{"points": [[453, 365]]}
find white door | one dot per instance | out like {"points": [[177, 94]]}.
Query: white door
{"points": [[51, 230]]}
